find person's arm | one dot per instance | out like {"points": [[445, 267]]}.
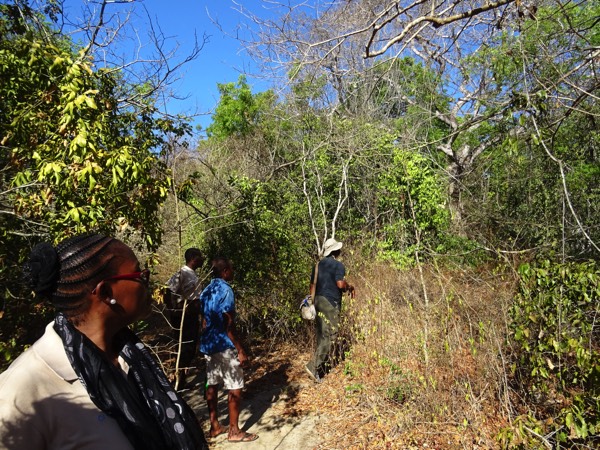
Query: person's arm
{"points": [[344, 286], [201, 318], [341, 282], [232, 333]]}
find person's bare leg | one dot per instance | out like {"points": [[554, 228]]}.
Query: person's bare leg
{"points": [[212, 399], [235, 434], [234, 401]]}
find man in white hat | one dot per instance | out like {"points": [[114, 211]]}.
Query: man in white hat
{"points": [[328, 287]]}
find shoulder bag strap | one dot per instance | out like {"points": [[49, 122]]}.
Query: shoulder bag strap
{"points": [[314, 285]]}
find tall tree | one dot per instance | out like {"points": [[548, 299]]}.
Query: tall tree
{"points": [[471, 47], [552, 70], [76, 155]]}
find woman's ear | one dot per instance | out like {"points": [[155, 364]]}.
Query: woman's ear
{"points": [[102, 290]]}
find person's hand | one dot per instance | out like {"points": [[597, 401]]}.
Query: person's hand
{"points": [[243, 358]]}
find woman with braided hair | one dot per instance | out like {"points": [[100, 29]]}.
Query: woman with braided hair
{"points": [[88, 382]]}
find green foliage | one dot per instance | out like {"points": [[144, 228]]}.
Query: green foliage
{"points": [[355, 388], [307, 92], [260, 235], [73, 157], [77, 161], [557, 354], [262, 231], [520, 199], [239, 110], [412, 196], [400, 386], [517, 204], [401, 89], [455, 250], [7, 349], [519, 196], [352, 365]]}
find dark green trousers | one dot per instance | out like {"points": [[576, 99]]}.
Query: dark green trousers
{"points": [[328, 320]]}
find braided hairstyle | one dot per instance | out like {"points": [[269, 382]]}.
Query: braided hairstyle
{"points": [[66, 274]]}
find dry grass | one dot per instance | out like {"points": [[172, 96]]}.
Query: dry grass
{"points": [[421, 365]]}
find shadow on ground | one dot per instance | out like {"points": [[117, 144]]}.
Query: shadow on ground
{"points": [[271, 391]]}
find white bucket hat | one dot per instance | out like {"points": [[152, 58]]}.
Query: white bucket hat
{"points": [[331, 245]]}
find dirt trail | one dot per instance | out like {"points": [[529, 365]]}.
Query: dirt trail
{"points": [[273, 384]]}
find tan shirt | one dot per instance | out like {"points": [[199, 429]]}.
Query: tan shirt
{"points": [[43, 405]]}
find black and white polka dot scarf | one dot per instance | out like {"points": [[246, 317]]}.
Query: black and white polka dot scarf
{"points": [[148, 410]]}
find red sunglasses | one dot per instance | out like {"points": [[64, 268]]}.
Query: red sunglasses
{"points": [[143, 276]]}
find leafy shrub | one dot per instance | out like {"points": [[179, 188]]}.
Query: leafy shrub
{"points": [[399, 386], [262, 235], [556, 363], [412, 195]]}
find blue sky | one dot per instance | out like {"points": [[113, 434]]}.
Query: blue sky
{"points": [[221, 59]]}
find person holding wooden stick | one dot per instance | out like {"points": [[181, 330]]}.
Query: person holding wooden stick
{"points": [[183, 289]]}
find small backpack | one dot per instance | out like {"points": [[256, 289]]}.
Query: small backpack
{"points": [[170, 298]]}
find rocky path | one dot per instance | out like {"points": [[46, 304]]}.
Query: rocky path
{"points": [[273, 385]]}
